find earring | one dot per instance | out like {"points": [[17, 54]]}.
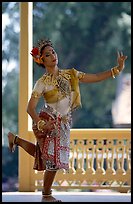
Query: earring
{"points": [[41, 59]]}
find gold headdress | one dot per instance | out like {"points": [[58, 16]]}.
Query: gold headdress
{"points": [[36, 51]]}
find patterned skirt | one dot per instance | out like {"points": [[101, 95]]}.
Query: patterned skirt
{"points": [[52, 148]]}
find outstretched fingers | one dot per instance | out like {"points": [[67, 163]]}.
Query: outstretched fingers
{"points": [[121, 56]]}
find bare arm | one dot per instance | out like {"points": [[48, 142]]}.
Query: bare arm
{"points": [[31, 109], [91, 78]]}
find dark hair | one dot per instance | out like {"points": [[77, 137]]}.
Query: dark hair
{"points": [[42, 65], [44, 47]]}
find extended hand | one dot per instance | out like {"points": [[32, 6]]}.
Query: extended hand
{"points": [[121, 60]]}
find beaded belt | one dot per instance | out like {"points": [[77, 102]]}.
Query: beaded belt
{"points": [[55, 114]]}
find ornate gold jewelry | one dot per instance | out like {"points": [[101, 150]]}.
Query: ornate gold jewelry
{"points": [[44, 42], [35, 94], [40, 124], [46, 195], [112, 73], [36, 51], [115, 71], [81, 75], [61, 82]]}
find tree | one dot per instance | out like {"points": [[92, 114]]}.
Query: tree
{"points": [[10, 77], [86, 36], [10, 67]]}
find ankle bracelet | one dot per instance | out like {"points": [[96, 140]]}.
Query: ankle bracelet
{"points": [[47, 195], [15, 142]]}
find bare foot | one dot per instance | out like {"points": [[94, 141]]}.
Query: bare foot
{"points": [[11, 144], [49, 199]]}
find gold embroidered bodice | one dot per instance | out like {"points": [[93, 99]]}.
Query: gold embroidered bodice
{"points": [[54, 89]]}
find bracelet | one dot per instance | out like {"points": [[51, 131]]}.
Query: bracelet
{"points": [[40, 124], [115, 71], [112, 73]]}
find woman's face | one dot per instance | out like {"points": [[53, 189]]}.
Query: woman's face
{"points": [[50, 57]]}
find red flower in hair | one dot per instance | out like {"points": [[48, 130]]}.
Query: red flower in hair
{"points": [[35, 52]]}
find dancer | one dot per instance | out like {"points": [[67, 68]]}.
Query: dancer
{"points": [[51, 126]]}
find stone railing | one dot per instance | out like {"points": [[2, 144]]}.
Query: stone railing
{"points": [[99, 159]]}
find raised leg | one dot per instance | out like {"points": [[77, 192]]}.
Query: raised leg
{"points": [[26, 145]]}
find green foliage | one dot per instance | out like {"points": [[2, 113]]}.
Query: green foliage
{"points": [[11, 34], [9, 170], [86, 36], [10, 103], [12, 160]]}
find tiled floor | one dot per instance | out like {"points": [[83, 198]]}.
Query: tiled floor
{"points": [[68, 196]]}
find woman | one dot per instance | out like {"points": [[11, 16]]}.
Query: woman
{"points": [[60, 90]]}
